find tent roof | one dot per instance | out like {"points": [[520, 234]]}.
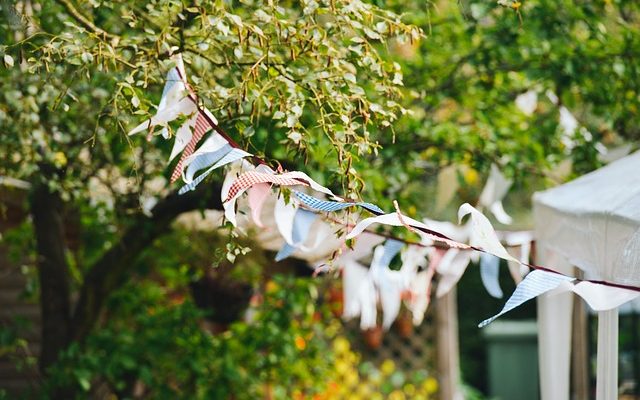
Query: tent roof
{"points": [[594, 220]]}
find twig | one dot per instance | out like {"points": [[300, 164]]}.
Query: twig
{"points": [[84, 21]]}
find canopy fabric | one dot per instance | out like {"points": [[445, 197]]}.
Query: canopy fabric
{"points": [[594, 221]]}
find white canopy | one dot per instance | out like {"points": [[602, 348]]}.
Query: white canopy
{"points": [[593, 222]]}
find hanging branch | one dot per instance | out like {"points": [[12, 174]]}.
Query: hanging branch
{"points": [[83, 20]]}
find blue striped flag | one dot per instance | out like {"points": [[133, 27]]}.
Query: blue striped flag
{"points": [[533, 285], [205, 160], [231, 156]]}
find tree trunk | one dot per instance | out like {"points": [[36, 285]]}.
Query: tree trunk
{"points": [[114, 267], [59, 327], [46, 209]]}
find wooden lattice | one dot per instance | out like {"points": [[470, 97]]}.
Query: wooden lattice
{"points": [[401, 368]]}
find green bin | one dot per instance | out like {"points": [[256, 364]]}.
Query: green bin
{"points": [[513, 360]]}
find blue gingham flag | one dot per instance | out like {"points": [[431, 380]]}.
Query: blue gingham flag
{"points": [[301, 226], [533, 285], [332, 206], [489, 271]]}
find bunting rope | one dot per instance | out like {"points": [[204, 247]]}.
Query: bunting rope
{"points": [[483, 238], [443, 245], [377, 211]]}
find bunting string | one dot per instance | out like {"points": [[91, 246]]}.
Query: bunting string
{"points": [[390, 284]]}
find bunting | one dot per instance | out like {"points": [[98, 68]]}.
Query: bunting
{"points": [[364, 287], [201, 126]]}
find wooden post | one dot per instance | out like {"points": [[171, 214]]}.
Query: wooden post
{"points": [[447, 346]]}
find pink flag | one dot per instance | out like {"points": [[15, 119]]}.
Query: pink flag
{"points": [[257, 195]]}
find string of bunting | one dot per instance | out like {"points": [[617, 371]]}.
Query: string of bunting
{"points": [[363, 287]]}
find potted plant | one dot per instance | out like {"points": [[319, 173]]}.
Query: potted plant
{"points": [[373, 337], [404, 324]]}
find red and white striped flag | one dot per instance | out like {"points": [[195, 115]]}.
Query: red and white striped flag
{"points": [[201, 127], [248, 179]]}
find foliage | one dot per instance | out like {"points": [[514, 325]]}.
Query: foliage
{"points": [[371, 98], [154, 347], [462, 81], [13, 346], [314, 71]]}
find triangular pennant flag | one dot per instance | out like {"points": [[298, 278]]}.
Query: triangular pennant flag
{"points": [[332, 206], [393, 219], [489, 271], [250, 178], [203, 160], [391, 248], [174, 101], [257, 196], [428, 278], [419, 285], [601, 297], [233, 155], [302, 222], [230, 206], [419, 298], [533, 285], [494, 191], [353, 275], [360, 297], [482, 233], [388, 282], [201, 126], [451, 268]]}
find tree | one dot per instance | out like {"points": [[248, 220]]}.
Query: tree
{"points": [[75, 77], [317, 86]]}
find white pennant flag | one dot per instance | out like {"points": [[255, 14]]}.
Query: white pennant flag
{"points": [[360, 297], [174, 101], [451, 268], [482, 233], [494, 191], [489, 273]]}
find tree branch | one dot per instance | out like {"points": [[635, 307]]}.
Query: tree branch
{"points": [[82, 20], [111, 270]]}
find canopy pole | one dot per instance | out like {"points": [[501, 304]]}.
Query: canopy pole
{"points": [[554, 345], [554, 333], [607, 378]]}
